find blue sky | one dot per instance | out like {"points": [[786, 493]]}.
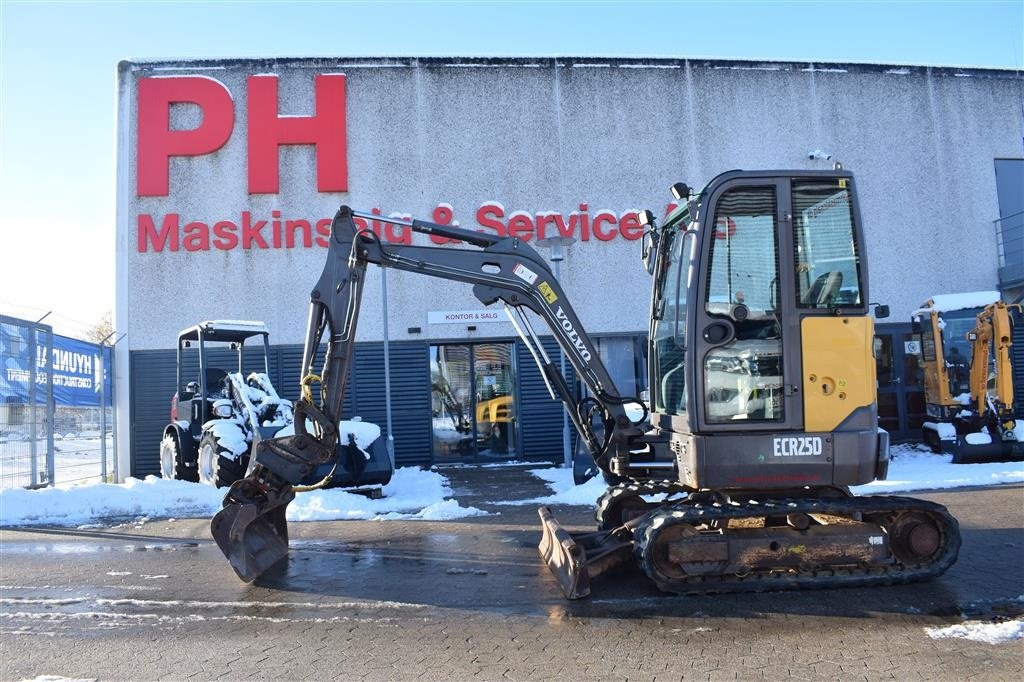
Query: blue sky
{"points": [[58, 65]]}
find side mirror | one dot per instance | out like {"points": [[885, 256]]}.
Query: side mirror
{"points": [[192, 387], [881, 311], [649, 242]]}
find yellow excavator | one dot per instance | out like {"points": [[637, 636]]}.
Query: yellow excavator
{"points": [[968, 377], [763, 408]]}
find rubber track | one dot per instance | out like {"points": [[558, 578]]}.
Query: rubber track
{"points": [[784, 577], [622, 491]]}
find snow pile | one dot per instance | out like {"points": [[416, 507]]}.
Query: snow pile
{"points": [[364, 433], [72, 505], [991, 633], [565, 490], [914, 467], [229, 434], [412, 494]]}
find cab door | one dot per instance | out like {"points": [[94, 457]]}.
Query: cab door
{"points": [[746, 328]]}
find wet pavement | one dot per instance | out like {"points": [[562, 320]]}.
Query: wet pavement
{"points": [[471, 599]]}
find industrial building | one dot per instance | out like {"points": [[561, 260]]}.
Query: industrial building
{"points": [[230, 170]]}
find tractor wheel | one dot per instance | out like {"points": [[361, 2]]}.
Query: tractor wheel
{"points": [[218, 466], [172, 460]]}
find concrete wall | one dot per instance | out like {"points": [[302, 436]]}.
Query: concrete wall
{"points": [[549, 134]]}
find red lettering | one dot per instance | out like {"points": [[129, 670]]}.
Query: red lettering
{"points": [[197, 237], [251, 232], [564, 231], [542, 220], [225, 237], [520, 226], [147, 233], [584, 223], [488, 216], [629, 226], [275, 228], [323, 230], [672, 205], [361, 224], [291, 226], [325, 130], [157, 143], [604, 217], [404, 235]]}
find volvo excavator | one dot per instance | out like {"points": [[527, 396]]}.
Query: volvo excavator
{"points": [[762, 415]]}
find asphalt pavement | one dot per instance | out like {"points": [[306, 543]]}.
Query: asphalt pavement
{"points": [[470, 599]]}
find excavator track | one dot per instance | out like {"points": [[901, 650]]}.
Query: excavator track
{"points": [[624, 501], [706, 548]]}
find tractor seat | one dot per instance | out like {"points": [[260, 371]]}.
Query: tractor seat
{"points": [[214, 379]]}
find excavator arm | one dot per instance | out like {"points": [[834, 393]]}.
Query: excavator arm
{"points": [[251, 529], [993, 332]]}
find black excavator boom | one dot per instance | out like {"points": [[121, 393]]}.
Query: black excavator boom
{"points": [[251, 528]]}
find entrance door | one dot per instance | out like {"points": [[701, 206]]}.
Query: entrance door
{"points": [[901, 407], [472, 393]]}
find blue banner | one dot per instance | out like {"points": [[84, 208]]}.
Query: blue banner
{"points": [[79, 375]]}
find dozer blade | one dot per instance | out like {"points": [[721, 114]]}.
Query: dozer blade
{"points": [[251, 529], [566, 559], [566, 555]]}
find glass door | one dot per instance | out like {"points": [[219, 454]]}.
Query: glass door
{"points": [[901, 406], [495, 408], [473, 410]]}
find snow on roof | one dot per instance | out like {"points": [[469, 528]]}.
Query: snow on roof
{"points": [[238, 328], [235, 325], [945, 303]]}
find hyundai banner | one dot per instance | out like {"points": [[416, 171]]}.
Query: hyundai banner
{"points": [[76, 370]]}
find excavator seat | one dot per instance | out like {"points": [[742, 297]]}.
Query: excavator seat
{"points": [[824, 290]]}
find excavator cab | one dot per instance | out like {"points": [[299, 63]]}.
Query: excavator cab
{"points": [[760, 338]]}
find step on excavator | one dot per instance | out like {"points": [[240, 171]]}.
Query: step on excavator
{"points": [[763, 410]]}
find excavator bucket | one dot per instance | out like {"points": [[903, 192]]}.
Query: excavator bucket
{"points": [[575, 559], [251, 529]]}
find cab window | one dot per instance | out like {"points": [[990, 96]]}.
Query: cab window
{"points": [[669, 332], [827, 262], [743, 376]]}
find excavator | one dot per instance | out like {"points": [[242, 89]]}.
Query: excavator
{"points": [[763, 412], [969, 395]]}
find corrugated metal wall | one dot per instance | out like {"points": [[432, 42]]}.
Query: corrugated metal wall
{"points": [[540, 416], [152, 384]]}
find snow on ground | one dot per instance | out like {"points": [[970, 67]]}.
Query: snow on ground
{"points": [[913, 467], [413, 493], [982, 631], [565, 491]]}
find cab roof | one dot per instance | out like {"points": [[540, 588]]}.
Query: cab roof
{"points": [[226, 331]]}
